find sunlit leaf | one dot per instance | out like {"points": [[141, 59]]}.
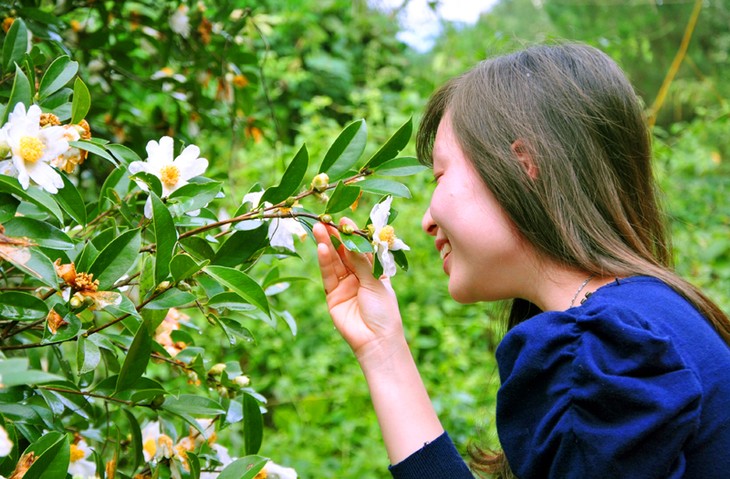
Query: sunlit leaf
{"points": [[345, 151], [92, 147], [15, 372], [32, 194], [342, 197], [41, 233], [58, 74], [243, 468], [403, 166], [357, 243], [240, 283], [172, 298], [20, 93], [165, 238], [19, 306], [193, 405], [71, 201], [291, 180], [385, 187], [253, 424], [116, 258], [88, 355], [241, 246], [136, 360], [15, 44], [81, 102], [393, 146], [52, 456]]}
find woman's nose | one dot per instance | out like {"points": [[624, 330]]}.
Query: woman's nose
{"points": [[427, 223]]}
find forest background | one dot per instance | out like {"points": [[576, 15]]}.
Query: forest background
{"points": [[302, 71]]}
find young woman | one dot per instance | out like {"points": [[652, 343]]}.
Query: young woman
{"points": [[613, 366]]}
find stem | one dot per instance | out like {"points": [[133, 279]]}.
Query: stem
{"points": [[90, 394]]}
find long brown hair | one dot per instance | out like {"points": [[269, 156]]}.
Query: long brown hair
{"points": [[593, 204]]}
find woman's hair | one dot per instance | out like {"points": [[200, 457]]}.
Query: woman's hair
{"points": [[592, 204]]}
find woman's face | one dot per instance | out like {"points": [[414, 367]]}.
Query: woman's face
{"points": [[482, 253]]}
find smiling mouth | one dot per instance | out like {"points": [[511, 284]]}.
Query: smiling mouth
{"points": [[445, 250]]}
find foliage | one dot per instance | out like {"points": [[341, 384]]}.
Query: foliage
{"points": [[111, 295]]}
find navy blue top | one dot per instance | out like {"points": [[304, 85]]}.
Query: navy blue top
{"points": [[634, 383]]}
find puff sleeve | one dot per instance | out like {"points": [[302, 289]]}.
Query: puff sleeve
{"points": [[595, 394]]}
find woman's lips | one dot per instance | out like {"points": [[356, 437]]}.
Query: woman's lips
{"points": [[445, 250]]}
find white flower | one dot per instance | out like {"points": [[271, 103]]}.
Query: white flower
{"points": [[6, 445], [223, 457], [281, 230], [384, 238], [155, 445], [180, 22], [275, 471], [80, 467], [33, 148], [173, 173]]}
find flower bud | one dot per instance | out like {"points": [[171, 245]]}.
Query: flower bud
{"points": [[4, 149], [347, 228], [325, 218], [320, 182], [241, 381], [182, 285], [222, 390], [217, 369], [163, 285], [77, 300]]}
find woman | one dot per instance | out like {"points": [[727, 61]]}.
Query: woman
{"points": [[613, 366]]}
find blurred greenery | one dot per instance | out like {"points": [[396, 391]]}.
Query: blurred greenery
{"points": [[315, 65]]}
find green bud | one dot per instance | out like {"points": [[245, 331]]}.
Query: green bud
{"points": [[164, 285], [325, 218], [184, 286], [320, 182], [241, 381], [347, 228], [4, 149], [217, 369], [290, 201]]}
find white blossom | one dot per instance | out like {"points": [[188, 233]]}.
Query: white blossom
{"points": [[281, 230], [384, 238], [180, 22], [32, 148], [80, 467], [6, 445]]}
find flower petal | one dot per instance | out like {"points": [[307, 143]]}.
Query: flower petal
{"points": [[380, 213], [45, 176]]}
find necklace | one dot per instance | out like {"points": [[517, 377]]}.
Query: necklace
{"points": [[583, 285]]}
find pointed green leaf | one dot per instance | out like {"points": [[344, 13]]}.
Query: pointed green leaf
{"points": [[81, 102], [15, 372], [15, 45], [403, 166], [40, 232], [31, 261], [136, 434], [165, 238], [19, 306], [253, 424], [357, 243], [193, 405], [52, 456], [193, 196], [392, 147], [241, 246], [240, 283], [385, 187], [92, 147], [71, 202], [342, 197], [122, 153], [244, 468], [135, 363], [183, 266], [116, 258], [8, 207], [291, 180], [20, 93], [345, 151], [58, 74], [88, 355], [172, 298]]}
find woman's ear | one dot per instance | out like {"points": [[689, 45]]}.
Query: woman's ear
{"points": [[523, 155]]}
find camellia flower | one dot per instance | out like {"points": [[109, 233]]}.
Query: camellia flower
{"points": [[33, 148], [384, 238], [180, 22], [281, 230], [72, 157], [155, 445], [80, 467], [6, 445], [173, 173], [83, 288]]}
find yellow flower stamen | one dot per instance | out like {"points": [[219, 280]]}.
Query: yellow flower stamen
{"points": [[387, 234], [31, 149], [150, 447], [170, 175], [86, 283], [76, 453], [261, 475]]}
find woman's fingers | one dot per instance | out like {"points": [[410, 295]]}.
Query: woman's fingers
{"points": [[330, 262]]}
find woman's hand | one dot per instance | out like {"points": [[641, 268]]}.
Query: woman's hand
{"points": [[364, 309]]}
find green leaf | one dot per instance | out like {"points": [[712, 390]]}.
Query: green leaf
{"points": [[31, 261], [240, 283], [116, 258], [153, 183], [15, 45], [67, 331], [193, 196], [241, 246], [357, 243], [21, 93], [122, 153], [243, 468], [172, 298], [291, 180], [403, 166], [385, 187], [88, 355], [345, 151], [342, 197], [8, 207], [183, 266], [392, 147], [58, 74], [35, 195], [253, 424], [136, 434], [40, 232], [52, 456], [193, 405], [81, 102], [135, 363], [165, 238], [92, 147], [18, 306], [15, 372], [71, 202]]}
